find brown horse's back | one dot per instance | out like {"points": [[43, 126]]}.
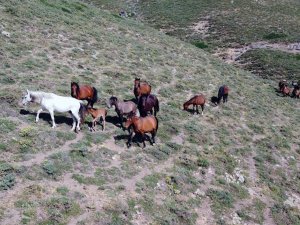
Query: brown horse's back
{"points": [[197, 100], [146, 124]]}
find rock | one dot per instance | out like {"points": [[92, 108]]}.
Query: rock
{"points": [[5, 33], [199, 192]]}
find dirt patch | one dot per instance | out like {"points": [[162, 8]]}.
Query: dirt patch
{"points": [[200, 28], [231, 55]]}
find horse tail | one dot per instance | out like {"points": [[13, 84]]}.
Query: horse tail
{"points": [[82, 110], [156, 105], [95, 96], [156, 123]]}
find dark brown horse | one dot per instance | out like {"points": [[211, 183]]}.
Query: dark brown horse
{"points": [[84, 92], [223, 93], [195, 101], [296, 92], [147, 103], [142, 125], [122, 108], [141, 88]]}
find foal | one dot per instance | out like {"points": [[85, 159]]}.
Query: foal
{"points": [[195, 101], [97, 114]]}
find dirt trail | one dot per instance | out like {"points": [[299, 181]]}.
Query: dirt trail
{"points": [[231, 55], [40, 157]]}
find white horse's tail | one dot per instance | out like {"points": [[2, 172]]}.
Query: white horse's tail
{"points": [[82, 112]]}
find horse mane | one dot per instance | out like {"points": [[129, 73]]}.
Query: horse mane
{"points": [[38, 95]]}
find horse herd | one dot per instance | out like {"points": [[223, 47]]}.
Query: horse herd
{"points": [[287, 91], [146, 103]]}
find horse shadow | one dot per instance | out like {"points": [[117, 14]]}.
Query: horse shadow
{"points": [[136, 139], [214, 100], [59, 119], [114, 120]]}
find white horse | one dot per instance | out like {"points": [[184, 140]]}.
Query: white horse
{"points": [[53, 102]]}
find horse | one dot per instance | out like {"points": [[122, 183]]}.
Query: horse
{"points": [[142, 125], [285, 90], [141, 88], [195, 101], [281, 84], [223, 93], [122, 108], [296, 92], [84, 92], [147, 103], [53, 102], [97, 114]]}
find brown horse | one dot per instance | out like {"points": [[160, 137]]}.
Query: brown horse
{"points": [[122, 108], [285, 91], [141, 88], [195, 101], [142, 125], [97, 115], [84, 92]]}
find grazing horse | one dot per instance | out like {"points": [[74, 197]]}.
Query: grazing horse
{"points": [[122, 108], [296, 92], [142, 125], [223, 93], [285, 90], [195, 101], [53, 102], [281, 84], [97, 114], [84, 92], [141, 88], [147, 103]]}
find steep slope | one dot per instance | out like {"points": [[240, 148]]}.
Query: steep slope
{"points": [[237, 163]]}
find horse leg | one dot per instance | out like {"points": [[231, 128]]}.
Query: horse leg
{"points": [[103, 123], [52, 117], [193, 109], [77, 117], [38, 115], [129, 139], [143, 138], [197, 109], [74, 122], [202, 107], [153, 137]]}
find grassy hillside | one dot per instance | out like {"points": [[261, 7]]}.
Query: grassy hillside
{"points": [[217, 25], [239, 163]]}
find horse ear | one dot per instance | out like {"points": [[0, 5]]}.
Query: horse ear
{"points": [[27, 91]]}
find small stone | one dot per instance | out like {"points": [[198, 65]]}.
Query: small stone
{"points": [[5, 33]]}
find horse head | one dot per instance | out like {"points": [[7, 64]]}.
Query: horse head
{"points": [[137, 81], [74, 89], [112, 101], [26, 98]]}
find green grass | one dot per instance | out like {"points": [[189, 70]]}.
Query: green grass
{"points": [[97, 174]]}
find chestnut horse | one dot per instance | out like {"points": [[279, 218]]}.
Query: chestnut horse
{"points": [[141, 88], [84, 92], [142, 125], [195, 101], [147, 103], [223, 93]]}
